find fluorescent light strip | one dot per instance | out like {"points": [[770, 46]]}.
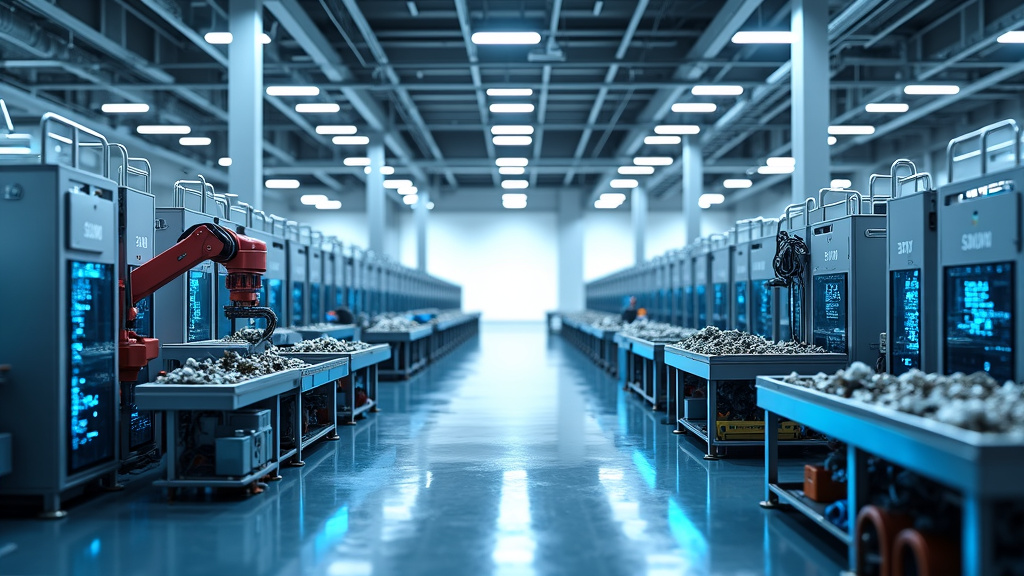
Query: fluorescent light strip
{"points": [[886, 107], [515, 184], [396, 184], [832, 140], [521, 162], [312, 199], [931, 89], [511, 171], [713, 90], [194, 141], [1011, 37], [220, 38], [775, 169], [356, 161], [125, 108], [737, 183], [351, 140], [510, 38], [335, 129], [776, 161], [851, 130], [411, 199], [329, 205], [317, 108], [225, 162], [624, 183], [708, 200], [694, 107], [512, 140], [163, 129], [293, 91], [407, 190], [636, 170], [510, 91], [512, 130], [282, 183], [677, 129], [653, 161], [618, 197], [510, 108], [840, 183], [763, 37], [662, 140]]}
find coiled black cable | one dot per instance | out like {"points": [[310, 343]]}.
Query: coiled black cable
{"points": [[790, 257]]}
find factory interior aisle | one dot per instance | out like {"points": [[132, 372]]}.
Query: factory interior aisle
{"points": [[514, 455]]}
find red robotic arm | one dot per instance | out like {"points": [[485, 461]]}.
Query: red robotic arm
{"points": [[245, 259]]}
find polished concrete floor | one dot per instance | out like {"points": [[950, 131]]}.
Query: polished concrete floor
{"points": [[512, 456]]}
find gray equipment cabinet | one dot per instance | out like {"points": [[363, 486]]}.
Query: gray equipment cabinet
{"points": [[297, 286], [764, 300], [720, 286], [58, 219], [980, 254], [701, 277], [317, 280]]}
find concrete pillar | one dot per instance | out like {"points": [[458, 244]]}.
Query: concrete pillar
{"points": [[810, 88], [570, 250], [421, 215], [245, 101], [376, 209], [693, 185], [638, 209]]}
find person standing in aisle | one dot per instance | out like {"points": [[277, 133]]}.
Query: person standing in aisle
{"points": [[629, 314]]}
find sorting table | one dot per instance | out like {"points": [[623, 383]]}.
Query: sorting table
{"points": [[985, 469], [448, 334], [362, 364], [735, 370], [338, 331], [642, 369], [410, 350]]}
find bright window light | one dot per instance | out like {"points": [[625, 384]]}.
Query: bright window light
{"points": [[775, 169], [636, 170], [410, 199], [623, 183], [780, 161], [832, 140], [653, 161], [1011, 37], [387, 170], [407, 190], [351, 140], [194, 141], [763, 37], [722, 90], [317, 108], [167, 129], [510, 91], [694, 107], [511, 162], [931, 89], [329, 205], [509, 108], [618, 197], [218, 37], [511, 171], [125, 108], [293, 91], [512, 140], [851, 130], [282, 183], [396, 184], [662, 140], [225, 162], [356, 161], [708, 200], [737, 183], [312, 199], [515, 184], [505, 38], [335, 129], [677, 129], [840, 183], [886, 107], [512, 130]]}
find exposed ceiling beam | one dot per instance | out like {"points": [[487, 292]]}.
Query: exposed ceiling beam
{"points": [[478, 91]]}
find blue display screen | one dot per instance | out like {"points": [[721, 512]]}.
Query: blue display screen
{"points": [[140, 422], [905, 332], [688, 315], [761, 308], [200, 302], [702, 306], [979, 320], [298, 303], [92, 401], [339, 297], [741, 306], [720, 308], [830, 312], [315, 313]]}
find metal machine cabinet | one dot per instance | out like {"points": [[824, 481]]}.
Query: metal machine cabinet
{"points": [[688, 312], [297, 284], [980, 256], [764, 300], [741, 274], [701, 279], [847, 276], [334, 273], [354, 279], [912, 320], [720, 286], [59, 224], [317, 280]]}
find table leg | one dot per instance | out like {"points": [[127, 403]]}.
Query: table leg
{"points": [[712, 420], [771, 458]]}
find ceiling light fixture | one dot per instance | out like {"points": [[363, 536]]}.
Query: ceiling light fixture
{"points": [[218, 37], [411, 199], [351, 140], [407, 190], [832, 140], [225, 162], [737, 183], [712, 90], [510, 108], [512, 130], [886, 107], [317, 108], [511, 162], [511, 171], [163, 129], [329, 205], [125, 108], [356, 161], [662, 140], [840, 183], [636, 170], [510, 91], [695, 107], [775, 161], [775, 169], [387, 170], [312, 199], [653, 161], [851, 130], [624, 183], [931, 89], [335, 129], [763, 37], [515, 184], [708, 200], [396, 184], [293, 91], [194, 141], [677, 129], [512, 140], [282, 183], [512, 38], [1011, 37], [617, 197]]}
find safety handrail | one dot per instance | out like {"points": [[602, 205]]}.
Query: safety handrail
{"points": [[850, 194], [180, 190], [914, 178], [894, 176], [983, 134], [76, 130]]}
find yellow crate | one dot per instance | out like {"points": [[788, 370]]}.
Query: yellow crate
{"points": [[754, 430]]}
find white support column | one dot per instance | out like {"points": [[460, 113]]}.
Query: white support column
{"points": [[570, 250], [376, 215], [693, 185], [810, 88], [638, 209], [245, 101], [421, 215]]}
